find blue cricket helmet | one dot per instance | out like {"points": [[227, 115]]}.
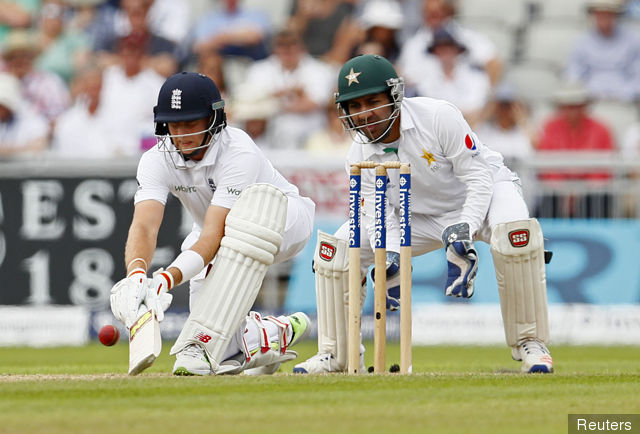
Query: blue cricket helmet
{"points": [[188, 96]]}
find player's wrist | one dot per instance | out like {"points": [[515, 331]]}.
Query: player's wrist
{"points": [[189, 263], [137, 272], [141, 263]]}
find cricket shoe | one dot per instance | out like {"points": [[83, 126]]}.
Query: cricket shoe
{"points": [[300, 327], [322, 364], [318, 364], [192, 360], [535, 357]]}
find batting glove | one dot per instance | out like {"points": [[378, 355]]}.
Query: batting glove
{"points": [[156, 294], [462, 260], [127, 296], [393, 292]]}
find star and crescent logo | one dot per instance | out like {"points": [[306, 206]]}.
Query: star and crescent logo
{"points": [[428, 156], [352, 77]]}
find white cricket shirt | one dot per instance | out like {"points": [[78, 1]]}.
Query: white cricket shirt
{"points": [[232, 163], [451, 170]]}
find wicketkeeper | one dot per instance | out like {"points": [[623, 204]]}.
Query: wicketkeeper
{"points": [[461, 193], [246, 217]]}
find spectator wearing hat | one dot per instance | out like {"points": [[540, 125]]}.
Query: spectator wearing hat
{"points": [[46, 91], [481, 52], [301, 84], [22, 130], [446, 74], [374, 31], [382, 19], [607, 57], [572, 129], [251, 109]]}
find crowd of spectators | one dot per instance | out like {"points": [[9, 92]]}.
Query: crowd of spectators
{"points": [[79, 78]]}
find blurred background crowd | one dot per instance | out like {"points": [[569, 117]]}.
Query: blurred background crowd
{"points": [[79, 78]]}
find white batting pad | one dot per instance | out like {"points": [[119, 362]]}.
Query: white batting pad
{"points": [[518, 256], [331, 265], [253, 234]]}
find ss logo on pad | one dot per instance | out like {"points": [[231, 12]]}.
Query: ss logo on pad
{"points": [[327, 251], [519, 238]]}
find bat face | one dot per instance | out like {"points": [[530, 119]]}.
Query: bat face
{"points": [[145, 342]]}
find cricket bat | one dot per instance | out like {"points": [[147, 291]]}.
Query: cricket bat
{"points": [[145, 342]]}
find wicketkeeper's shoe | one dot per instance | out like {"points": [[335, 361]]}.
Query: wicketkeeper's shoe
{"points": [[318, 364], [322, 364], [534, 355], [192, 360], [300, 325]]}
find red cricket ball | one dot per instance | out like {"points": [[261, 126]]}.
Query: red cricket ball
{"points": [[109, 335]]}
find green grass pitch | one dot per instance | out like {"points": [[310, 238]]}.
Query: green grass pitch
{"points": [[452, 390]]}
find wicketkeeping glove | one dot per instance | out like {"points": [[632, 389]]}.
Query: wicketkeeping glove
{"points": [[462, 260], [393, 290], [156, 295]]}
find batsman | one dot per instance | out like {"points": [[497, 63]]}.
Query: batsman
{"points": [[246, 217], [462, 193]]}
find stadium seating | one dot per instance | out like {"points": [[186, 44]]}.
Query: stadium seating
{"points": [[619, 116], [534, 81], [503, 36], [512, 13], [564, 10], [550, 41]]}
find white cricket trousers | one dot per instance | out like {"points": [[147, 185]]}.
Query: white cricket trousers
{"points": [[507, 205]]}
